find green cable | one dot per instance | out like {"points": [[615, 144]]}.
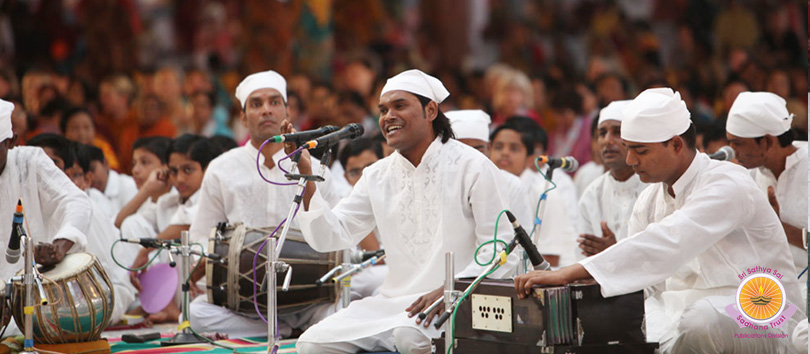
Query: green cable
{"points": [[494, 243], [537, 207], [133, 269]]}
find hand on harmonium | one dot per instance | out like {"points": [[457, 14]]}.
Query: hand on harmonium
{"points": [[591, 244], [423, 302], [304, 164], [51, 253], [525, 282]]}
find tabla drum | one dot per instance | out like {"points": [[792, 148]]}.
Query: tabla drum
{"points": [[80, 301], [230, 280], [5, 310]]}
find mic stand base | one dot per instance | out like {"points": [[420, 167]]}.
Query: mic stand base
{"points": [[183, 338]]}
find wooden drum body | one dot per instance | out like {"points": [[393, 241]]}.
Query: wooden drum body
{"points": [[230, 280]]}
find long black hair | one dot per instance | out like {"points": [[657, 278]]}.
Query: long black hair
{"points": [[441, 125]]}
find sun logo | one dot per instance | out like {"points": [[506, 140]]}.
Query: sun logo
{"points": [[761, 298]]}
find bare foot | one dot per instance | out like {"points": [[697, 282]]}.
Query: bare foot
{"points": [[167, 315]]}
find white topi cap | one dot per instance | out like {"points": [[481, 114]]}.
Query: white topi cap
{"points": [[469, 124], [258, 81], [419, 83], [654, 116], [613, 111], [756, 114], [5, 120]]}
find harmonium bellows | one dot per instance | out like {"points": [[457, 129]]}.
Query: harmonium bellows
{"points": [[561, 319]]}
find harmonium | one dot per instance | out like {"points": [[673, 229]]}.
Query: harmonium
{"points": [[571, 319]]}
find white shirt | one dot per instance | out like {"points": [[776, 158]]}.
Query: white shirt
{"points": [[120, 189], [101, 236], [586, 174], [449, 202], [232, 191], [791, 193], [54, 207], [186, 211], [609, 200], [154, 216], [694, 245], [102, 203], [517, 201], [557, 234]]}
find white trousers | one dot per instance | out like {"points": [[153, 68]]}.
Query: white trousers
{"points": [[406, 340], [705, 328], [207, 317]]}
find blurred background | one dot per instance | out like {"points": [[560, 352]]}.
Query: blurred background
{"points": [[161, 67]]}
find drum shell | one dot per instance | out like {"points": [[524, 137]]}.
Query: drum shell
{"points": [[83, 311], [308, 265]]}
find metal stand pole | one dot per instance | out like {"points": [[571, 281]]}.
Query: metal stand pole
{"points": [[523, 262], [346, 282], [28, 309], [186, 335], [449, 294]]}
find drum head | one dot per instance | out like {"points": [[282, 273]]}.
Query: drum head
{"points": [[72, 265]]}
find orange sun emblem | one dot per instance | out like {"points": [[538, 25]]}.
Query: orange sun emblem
{"points": [[761, 297]]}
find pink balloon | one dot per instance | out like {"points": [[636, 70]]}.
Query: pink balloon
{"points": [[158, 286]]}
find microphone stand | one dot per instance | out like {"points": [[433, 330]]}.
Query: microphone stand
{"points": [[186, 334], [31, 278], [274, 251], [523, 263]]}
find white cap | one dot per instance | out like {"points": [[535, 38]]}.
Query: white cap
{"points": [[613, 111], [5, 120], [469, 124], [655, 116], [258, 81], [756, 114], [419, 83]]}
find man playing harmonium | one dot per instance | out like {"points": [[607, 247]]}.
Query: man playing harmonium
{"points": [[694, 230], [431, 196]]}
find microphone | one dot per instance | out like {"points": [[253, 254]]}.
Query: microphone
{"points": [[350, 131], [523, 239], [362, 256], [725, 153], [13, 251], [307, 135], [151, 242], [567, 164]]}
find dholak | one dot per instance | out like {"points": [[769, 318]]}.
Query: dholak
{"points": [[80, 301], [230, 280]]}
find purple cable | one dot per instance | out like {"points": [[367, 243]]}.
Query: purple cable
{"points": [[258, 167], [256, 258]]}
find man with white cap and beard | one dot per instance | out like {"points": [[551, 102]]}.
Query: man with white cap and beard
{"points": [[55, 210], [431, 196], [471, 127], [607, 203], [680, 249], [232, 191], [758, 129]]}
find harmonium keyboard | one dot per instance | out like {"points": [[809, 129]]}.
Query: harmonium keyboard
{"points": [[571, 319]]}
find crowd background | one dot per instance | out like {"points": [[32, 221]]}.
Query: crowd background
{"points": [[141, 68]]}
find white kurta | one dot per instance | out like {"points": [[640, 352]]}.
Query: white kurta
{"points": [[449, 202], [100, 238], [609, 200], [102, 203], [694, 245], [518, 203], [791, 193], [186, 211], [557, 235], [586, 174], [232, 191], [54, 207], [120, 189]]}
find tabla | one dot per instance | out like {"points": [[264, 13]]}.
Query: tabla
{"points": [[80, 301], [230, 280]]}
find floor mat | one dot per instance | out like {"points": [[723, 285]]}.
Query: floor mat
{"points": [[242, 345]]}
